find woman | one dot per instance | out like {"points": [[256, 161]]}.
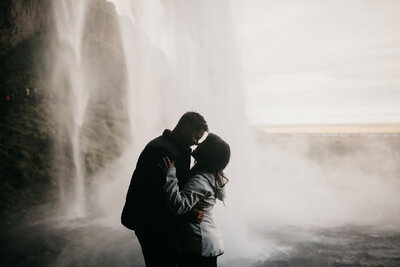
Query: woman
{"points": [[201, 242]]}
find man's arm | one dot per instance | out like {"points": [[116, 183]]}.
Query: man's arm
{"points": [[196, 215]]}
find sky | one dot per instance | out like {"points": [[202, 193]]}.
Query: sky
{"points": [[320, 62], [317, 61]]}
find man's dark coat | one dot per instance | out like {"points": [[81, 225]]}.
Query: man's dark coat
{"points": [[145, 208]]}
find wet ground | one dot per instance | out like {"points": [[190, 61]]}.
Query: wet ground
{"points": [[342, 246], [69, 243], [85, 243]]}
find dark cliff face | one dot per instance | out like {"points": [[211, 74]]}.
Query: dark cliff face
{"points": [[24, 27], [29, 137], [27, 34], [21, 18]]}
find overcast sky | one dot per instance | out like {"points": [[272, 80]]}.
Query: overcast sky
{"points": [[320, 61]]}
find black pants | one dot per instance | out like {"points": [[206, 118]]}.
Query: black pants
{"points": [[193, 260], [159, 249]]}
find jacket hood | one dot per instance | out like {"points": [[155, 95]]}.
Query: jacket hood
{"points": [[218, 190], [220, 193]]}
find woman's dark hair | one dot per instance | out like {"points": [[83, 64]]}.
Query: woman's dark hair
{"points": [[212, 155]]}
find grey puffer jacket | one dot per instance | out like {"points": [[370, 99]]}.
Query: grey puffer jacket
{"points": [[200, 238]]}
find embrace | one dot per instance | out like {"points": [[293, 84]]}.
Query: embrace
{"points": [[169, 205]]}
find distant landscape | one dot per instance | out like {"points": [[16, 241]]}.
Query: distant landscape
{"points": [[349, 129]]}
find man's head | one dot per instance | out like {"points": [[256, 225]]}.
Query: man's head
{"points": [[190, 128]]}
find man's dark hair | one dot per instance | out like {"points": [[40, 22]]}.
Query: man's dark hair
{"points": [[194, 120]]}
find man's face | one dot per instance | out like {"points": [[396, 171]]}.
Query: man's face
{"points": [[193, 137]]}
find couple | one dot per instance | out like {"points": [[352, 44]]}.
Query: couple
{"points": [[168, 205]]}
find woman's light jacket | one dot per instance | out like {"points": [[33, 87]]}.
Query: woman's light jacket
{"points": [[201, 190]]}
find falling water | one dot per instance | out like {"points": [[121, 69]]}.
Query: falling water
{"points": [[180, 56], [72, 97]]}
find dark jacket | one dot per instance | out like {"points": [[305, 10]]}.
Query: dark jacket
{"points": [[145, 206]]}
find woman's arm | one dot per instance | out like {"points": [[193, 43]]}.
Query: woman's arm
{"points": [[180, 202]]}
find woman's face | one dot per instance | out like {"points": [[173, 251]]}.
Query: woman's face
{"points": [[197, 151]]}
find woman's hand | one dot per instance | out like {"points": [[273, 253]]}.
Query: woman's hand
{"points": [[168, 164]]}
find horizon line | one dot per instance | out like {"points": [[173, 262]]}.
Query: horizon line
{"points": [[361, 128]]}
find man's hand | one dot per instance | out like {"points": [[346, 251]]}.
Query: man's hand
{"points": [[196, 215]]}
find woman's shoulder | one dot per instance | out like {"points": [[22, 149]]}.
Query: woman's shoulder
{"points": [[205, 178], [204, 175]]}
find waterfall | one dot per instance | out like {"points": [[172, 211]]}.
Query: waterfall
{"points": [[177, 56], [71, 97], [182, 56]]}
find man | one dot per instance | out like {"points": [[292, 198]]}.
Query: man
{"points": [[145, 210]]}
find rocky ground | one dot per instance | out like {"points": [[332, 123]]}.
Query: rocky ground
{"points": [[343, 246], [69, 243], [104, 242]]}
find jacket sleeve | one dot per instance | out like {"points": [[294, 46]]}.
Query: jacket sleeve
{"points": [[183, 201]]}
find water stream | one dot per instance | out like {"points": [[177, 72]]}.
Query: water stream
{"points": [[73, 96]]}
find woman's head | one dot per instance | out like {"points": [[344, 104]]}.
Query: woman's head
{"points": [[212, 155]]}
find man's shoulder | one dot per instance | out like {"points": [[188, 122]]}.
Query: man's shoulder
{"points": [[159, 142], [162, 142]]}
